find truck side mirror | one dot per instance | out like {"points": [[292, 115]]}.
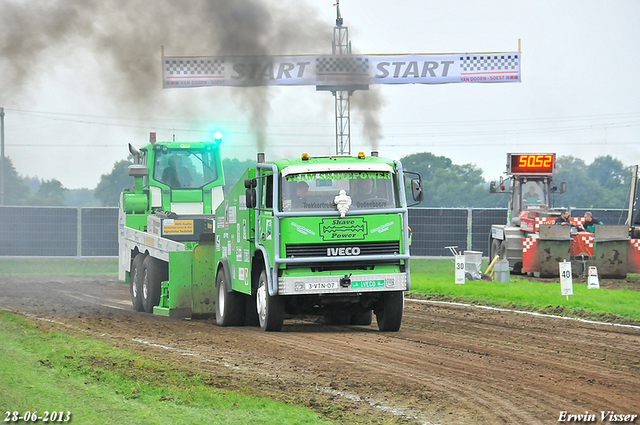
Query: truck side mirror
{"points": [[251, 197], [250, 183], [416, 189]]}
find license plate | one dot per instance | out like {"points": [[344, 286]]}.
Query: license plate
{"points": [[361, 284], [323, 285]]}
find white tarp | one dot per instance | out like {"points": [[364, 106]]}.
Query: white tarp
{"points": [[336, 70]]}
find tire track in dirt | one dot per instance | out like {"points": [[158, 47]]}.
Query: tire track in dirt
{"points": [[405, 361]]}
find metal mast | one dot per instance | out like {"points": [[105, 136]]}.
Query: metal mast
{"points": [[341, 46]]}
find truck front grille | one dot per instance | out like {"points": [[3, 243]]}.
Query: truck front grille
{"points": [[342, 249]]}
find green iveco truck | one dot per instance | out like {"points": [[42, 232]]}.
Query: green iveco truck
{"points": [[311, 235]]}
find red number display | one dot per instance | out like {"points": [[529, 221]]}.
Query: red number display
{"points": [[532, 163]]}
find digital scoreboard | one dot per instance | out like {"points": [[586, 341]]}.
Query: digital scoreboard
{"points": [[531, 163]]}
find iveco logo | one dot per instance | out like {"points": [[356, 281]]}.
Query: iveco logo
{"points": [[335, 252]]}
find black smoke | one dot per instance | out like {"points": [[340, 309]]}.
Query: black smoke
{"points": [[126, 35]]}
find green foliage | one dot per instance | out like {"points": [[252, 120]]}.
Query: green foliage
{"points": [[81, 198], [448, 185], [111, 185], [233, 170], [602, 184], [50, 193], [45, 370], [16, 191]]}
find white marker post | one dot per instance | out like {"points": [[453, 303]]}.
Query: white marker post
{"points": [[460, 270], [592, 280], [566, 280]]}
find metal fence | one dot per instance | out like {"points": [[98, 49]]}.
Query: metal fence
{"points": [[93, 232], [58, 231]]}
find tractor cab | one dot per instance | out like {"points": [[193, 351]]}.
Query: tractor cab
{"points": [[532, 197], [529, 184], [185, 178]]}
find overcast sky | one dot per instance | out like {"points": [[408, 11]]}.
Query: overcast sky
{"points": [[82, 78]]}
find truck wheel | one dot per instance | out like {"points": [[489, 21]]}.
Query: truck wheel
{"points": [[153, 273], [389, 311], [136, 282], [229, 305], [362, 318], [270, 309]]}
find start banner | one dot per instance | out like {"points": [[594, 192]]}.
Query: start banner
{"points": [[340, 70]]}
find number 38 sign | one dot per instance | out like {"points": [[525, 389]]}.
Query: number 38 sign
{"points": [[460, 276]]}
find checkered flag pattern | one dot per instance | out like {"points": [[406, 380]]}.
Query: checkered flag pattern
{"points": [[490, 63], [528, 243], [342, 65], [587, 240], [636, 244], [578, 221], [199, 67], [544, 220]]}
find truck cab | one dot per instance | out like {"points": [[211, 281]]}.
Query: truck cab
{"points": [[316, 235]]}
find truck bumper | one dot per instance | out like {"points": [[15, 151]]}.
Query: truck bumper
{"points": [[341, 284]]}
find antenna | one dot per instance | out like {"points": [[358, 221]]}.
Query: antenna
{"points": [[339, 18]]}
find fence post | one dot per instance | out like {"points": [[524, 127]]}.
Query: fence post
{"points": [[469, 228], [79, 233]]}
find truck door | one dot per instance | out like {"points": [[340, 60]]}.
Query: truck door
{"points": [[266, 233]]}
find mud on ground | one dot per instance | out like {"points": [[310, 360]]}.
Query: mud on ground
{"points": [[448, 364]]}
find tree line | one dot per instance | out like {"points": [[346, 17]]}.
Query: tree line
{"points": [[604, 183]]}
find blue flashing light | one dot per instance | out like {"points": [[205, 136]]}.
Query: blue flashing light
{"points": [[217, 137]]}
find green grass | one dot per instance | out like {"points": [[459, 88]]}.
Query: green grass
{"points": [[435, 278], [45, 370], [58, 266]]}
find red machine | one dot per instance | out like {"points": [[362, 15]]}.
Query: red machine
{"points": [[531, 241]]}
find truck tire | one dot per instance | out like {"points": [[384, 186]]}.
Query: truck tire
{"points": [[136, 282], [153, 273], [229, 305], [270, 309], [389, 311]]}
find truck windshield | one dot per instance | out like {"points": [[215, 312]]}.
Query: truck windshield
{"points": [[316, 191], [185, 168]]}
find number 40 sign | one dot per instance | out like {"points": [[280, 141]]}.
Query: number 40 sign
{"points": [[566, 282]]}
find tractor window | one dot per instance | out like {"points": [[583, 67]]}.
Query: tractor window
{"points": [[534, 195], [317, 191], [185, 168]]}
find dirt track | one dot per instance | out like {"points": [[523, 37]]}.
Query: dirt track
{"points": [[448, 364]]}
